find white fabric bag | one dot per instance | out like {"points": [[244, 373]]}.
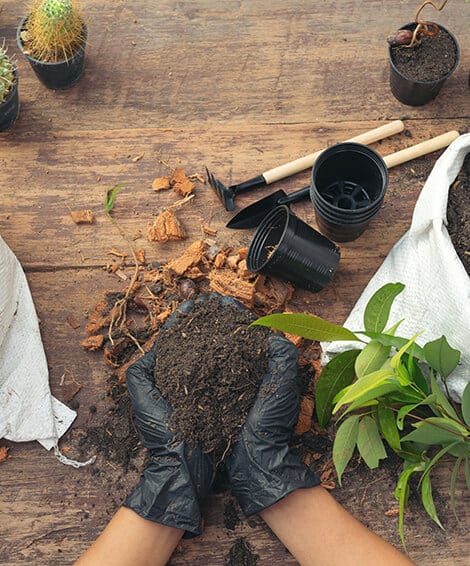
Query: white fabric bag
{"points": [[27, 409], [436, 298]]}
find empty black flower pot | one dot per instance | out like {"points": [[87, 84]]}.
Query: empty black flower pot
{"points": [[61, 74], [10, 108], [348, 186], [412, 91], [288, 248]]}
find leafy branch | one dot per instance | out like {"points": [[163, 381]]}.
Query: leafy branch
{"points": [[388, 393]]}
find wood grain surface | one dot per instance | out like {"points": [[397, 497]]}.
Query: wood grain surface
{"points": [[239, 87]]}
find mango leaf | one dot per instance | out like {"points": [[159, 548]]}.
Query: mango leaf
{"points": [[441, 357], [437, 457], [110, 197], [403, 411], [369, 443], [415, 373], [371, 358], [378, 308], [388, 426], [453, 482], [396, 359], [335, 376], [427, 499], [363, 386], [370, 398], [396, 342], [466, 404], [402, 492], [467, 472], [344, 444], [461, 449], [441, 399], [436, 430], [307, 326]]}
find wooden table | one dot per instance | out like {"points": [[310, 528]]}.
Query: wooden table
{"points": [[240, 87]]}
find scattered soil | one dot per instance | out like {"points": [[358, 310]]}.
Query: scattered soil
{"points": [[431, 60], [231, 517], [209, 366], [458, 214], [241, 554]]}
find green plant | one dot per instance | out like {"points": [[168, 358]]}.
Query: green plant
{"points": [[389, 391], [53, 30], [7, 76]]}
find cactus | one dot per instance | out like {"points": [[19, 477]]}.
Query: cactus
{"points": [[53, 30], [7, 76]]}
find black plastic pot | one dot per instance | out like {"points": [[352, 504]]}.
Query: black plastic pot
{"points": [[347, 189], [60, 75], [10, 109], [287, 247], [417, 93]]}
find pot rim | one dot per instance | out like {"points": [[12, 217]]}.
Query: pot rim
{"points": [[13, 90], [412, 26]]}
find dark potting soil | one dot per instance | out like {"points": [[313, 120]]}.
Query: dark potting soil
{"points": [[458, 214], [209, 365], [431, 60], [241, 554]]}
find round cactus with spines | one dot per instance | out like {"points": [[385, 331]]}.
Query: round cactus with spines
{"points": [[53, 30], [7, 76]]}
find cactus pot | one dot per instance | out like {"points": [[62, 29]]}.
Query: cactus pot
{"points": [[10, 108], [61, 74], [411, 91]]}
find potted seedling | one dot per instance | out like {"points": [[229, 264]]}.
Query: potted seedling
{"points": [[53, 37], [422, 56], [9, 102], [386, 390]]}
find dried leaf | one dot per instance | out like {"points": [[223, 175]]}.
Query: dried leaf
{"points": [[166, 227], [82, 216], [161, 184]]}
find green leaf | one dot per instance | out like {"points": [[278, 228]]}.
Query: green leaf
{"points": [[396, 342], [378, 308], [307, 326], [467, 472], [436, 430], [415, 373], [110, 197], [427, 499], [371, 397], [453, 482], [335, 376], [441, 399], [441, 357], [344, 444], [402, 492], [365, 385], [372, 358], [437, 457], [388, 426], [396, 359], [403, 411], [369, 443], [466, 404]]}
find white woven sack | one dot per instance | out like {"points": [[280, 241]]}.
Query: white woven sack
{"points": [[436, 298]]}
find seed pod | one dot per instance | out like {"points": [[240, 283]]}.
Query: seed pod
{"points": [[401, 37]]}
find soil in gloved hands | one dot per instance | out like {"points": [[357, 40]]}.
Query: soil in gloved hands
{"points": [[458, 214], [209, 366]]}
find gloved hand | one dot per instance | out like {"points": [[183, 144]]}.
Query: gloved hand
{"points": [[261, 468], [177, 477]]}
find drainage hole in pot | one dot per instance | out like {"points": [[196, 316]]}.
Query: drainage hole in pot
{"points": [[346, 194]]}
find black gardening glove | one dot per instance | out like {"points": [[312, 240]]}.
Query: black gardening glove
{"points": [[261, 468], [177, 477]]}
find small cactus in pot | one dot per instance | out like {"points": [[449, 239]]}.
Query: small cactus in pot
{"points": [[9, 103], [53, 37]]}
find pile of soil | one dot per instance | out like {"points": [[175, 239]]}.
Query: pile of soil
{"points": [[209, 366], [458, 214], [241, 554], [431, 60]]}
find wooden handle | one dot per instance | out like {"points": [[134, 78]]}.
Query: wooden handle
{"points": [[283, 171], [421, 149]]}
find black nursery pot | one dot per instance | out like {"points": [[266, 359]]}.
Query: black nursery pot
{"points": [[287, 247], [10, 109], [347, 189], [417, 93], [60, 75]]}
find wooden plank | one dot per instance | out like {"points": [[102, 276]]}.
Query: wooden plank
{"points": [[151, 64]]}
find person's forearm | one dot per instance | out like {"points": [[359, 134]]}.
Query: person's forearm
{"points": [[319, 532], [129, 540]]}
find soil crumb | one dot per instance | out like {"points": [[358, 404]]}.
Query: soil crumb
{"points": [[209, 365], [231, 518], [458, 214], [431, 60], [241, 554]]}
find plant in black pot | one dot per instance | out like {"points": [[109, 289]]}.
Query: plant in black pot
{"points": [[9, 102], [53, 37], [422, 56]]}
